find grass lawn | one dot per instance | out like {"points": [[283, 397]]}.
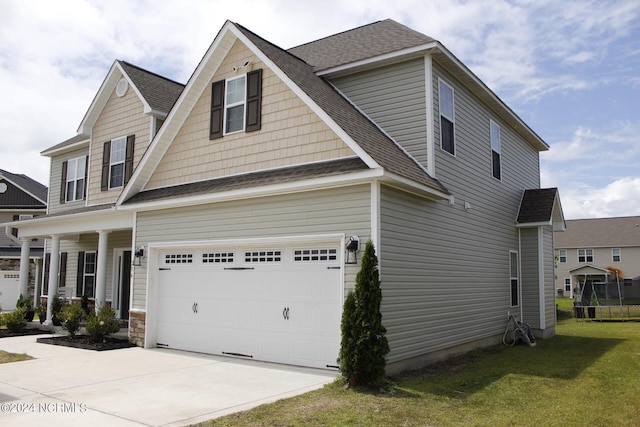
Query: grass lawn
{"points": [[13, 357], [589, 374]]}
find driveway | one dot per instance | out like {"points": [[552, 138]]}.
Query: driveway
{"points": [[134, 386]]}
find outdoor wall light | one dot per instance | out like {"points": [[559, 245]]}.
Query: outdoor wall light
{"points": [[137, 256], [353, 244]]}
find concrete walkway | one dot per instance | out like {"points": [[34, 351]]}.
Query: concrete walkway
{"points": [[132, 387]]}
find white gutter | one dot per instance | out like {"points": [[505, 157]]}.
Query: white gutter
{"points": [[9, 233]]}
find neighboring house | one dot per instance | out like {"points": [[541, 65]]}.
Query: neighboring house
{"points": [[20, 198], [588, 248], [246, 211]]}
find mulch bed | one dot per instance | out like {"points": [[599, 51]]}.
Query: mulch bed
{"points": [[84, 342]]}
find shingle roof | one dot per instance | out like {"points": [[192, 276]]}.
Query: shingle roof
{"points": [[28, 184], [600, 232], [159, 92], [358, 44], [537, 206], [364, 132], [254, 179], [66, 143]]}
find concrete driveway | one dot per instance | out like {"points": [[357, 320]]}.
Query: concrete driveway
{"points": [[134, 386]]}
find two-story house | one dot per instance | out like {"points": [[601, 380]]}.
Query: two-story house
{"points": [[589, 253], [241, 218], [21, 198]]}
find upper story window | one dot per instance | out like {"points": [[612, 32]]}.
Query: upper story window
{"points": [[447, 117], [616, 254], [236, 104], [496, 167], [117, 162], [74, 176], [116, 165], [585, 255], [562, 255]]}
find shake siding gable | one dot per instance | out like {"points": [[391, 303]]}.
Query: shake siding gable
{"points": [[394, 97], [120, 117], [343, 210], [290, 134]]}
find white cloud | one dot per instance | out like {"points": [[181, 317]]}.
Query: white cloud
{"points": [[620, 198]]}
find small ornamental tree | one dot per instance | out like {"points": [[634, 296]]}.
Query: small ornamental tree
{"points": [[364, 345]]}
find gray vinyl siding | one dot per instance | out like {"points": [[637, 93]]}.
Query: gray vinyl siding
{"points": [[549, 275], [344, 210], [394, 97], [445, 276], [530, 277], [468, 173], [55, 182]]}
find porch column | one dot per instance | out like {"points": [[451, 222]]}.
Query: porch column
{"points": [[101, 268], [24, 267], [54, 268]]}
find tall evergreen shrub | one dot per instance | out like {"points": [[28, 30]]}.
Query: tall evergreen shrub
{"points": [[364, 345]]}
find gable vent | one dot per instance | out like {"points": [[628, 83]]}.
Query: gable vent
{"points": [[122, 87]]}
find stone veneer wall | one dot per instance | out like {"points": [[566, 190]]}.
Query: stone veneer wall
{"points": [[136, 327]]}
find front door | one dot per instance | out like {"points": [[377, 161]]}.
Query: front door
{"points": [[122, 288]]}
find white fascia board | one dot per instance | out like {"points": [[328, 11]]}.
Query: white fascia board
{"points": [[163, 139], [85, 222], [534, 224], [54, 152], [100, 100], [253, 192], [369, 161], [541, 144], [386, 58]]}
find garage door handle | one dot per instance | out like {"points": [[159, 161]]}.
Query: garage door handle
{"points": [[285, 313], [194, 307]]}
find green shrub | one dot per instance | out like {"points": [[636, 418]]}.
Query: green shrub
{"points": [[364, 345], [71, 316], [15, 320], [102, 324]]}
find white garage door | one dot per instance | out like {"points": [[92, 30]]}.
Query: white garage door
{"points": [[9, 289], [277, 303]]}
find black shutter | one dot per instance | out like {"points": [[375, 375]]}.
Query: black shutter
{"points": [[216, 129], [128, 161], [254, 100], [63, 270], [63, 183], [106, 160], [45, 285], [80, 276], [86, 177]]}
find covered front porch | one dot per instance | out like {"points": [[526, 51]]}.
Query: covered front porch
{"points": [[88, 253]]}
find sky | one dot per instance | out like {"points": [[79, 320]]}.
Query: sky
{"points": [[570, 69]]}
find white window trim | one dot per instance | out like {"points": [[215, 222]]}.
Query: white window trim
{"points": [[516, 278], [227, 106], [112, 163], [560, 255], [586, 256], [497, 149], [85, 274], [613, 255], [451, 119], [77, 160]]}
